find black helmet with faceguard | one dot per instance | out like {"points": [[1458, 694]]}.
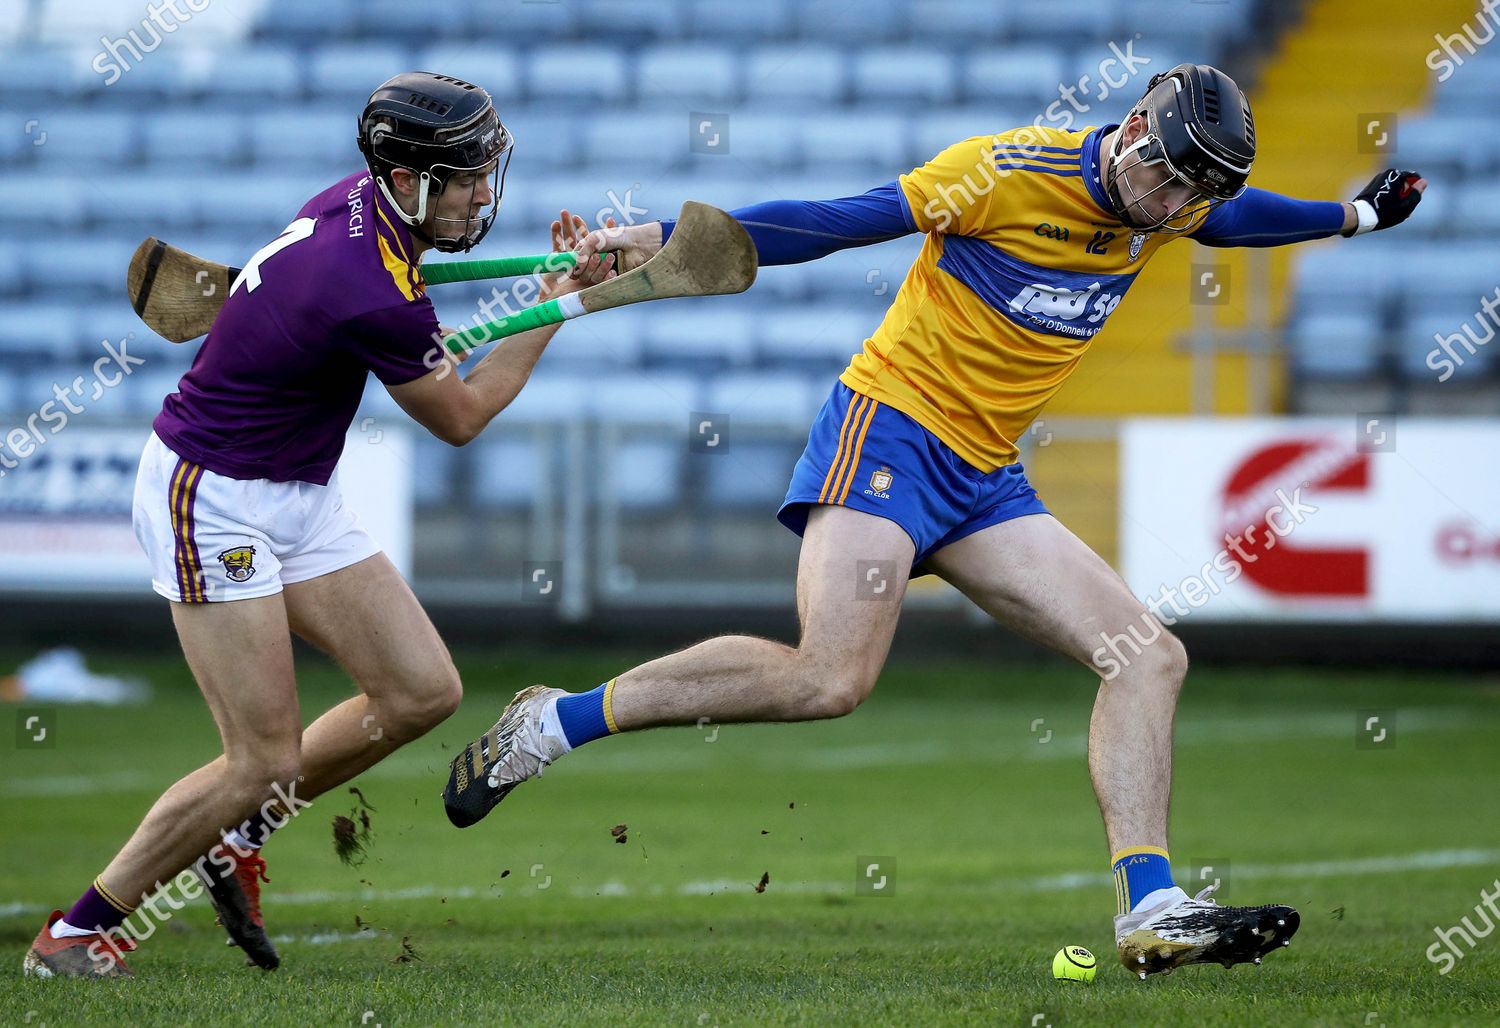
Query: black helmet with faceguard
{"points": [[1199, 134], [435, 126]]}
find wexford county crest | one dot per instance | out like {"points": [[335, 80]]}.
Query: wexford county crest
{"points": [[239, 563], [880, 483]]}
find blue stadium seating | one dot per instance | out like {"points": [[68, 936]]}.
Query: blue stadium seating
{"points": [[248, 122]]}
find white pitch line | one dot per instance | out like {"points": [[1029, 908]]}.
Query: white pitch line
{"points": [[1431, 860]]}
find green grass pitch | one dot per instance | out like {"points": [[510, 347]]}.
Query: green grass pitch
{"points": [[966, 782]]}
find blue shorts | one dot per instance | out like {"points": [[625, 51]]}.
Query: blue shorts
{"points": [[871, 457]]}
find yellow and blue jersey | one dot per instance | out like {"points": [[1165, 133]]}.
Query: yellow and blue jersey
{"points": [[1024, 261], [1022, 266]]}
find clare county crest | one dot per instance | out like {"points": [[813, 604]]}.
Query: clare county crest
{"points": [[1137, 240], [880, 481], [239, 563]]}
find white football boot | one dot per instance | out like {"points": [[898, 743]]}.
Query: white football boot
{"points": [[1199, 931], [514, 749]]}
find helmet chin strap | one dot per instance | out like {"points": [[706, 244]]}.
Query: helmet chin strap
{"points": [[414, 221], [1115, 172]]}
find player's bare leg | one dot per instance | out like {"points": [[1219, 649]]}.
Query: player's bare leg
{"points": [[1039, 579], [240, 653], [367, 619], [846, 634]]}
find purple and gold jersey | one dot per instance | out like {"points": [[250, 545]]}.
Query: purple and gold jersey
{"points": [[275, 385]]}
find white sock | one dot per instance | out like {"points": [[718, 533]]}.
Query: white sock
{"points": [[62, 930], [1157, 898], [552, 725], [238, 841]]}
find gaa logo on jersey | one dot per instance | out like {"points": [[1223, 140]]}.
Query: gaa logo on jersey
{"points": [[880, 482], [239, 563]]}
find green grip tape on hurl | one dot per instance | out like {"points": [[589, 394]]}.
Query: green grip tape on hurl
{"points": [[549, 313], [497, 267]]}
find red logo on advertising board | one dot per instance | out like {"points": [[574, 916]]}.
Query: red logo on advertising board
{"points": [[1260, 530]]}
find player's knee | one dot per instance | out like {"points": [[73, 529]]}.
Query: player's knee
{"points": [[837, 694], [426, 702], [1170, 661], [256, 776]]}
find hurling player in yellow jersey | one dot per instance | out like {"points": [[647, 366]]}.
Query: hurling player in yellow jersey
{"points": [[1033, 237]]}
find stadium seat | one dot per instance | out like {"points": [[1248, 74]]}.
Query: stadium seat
{"points": [[648, 139], [1420, 337], [1020, 76], [688, 74], [690, 332], [30, 74], [642, 23], [79, 139], [45, 331], [253, 75], [960, 23], [802, 74], [503, 24], [871, 22], [764, 141], [914, 75], [776, 398], [497, 70], [602, 342], [435, 466], [186, 138], [311, 25], [820, 339], [1336, 346], [510, 469], [73, 265], [1090, 18], [348, 74], [873, 141], [11, 406], [721, 23], [582, 72], [933, 135], [320, 137], [642, 466]]}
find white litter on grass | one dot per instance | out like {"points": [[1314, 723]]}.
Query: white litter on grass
{"points": [[61, 676]]}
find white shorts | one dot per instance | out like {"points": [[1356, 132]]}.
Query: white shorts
{"points": [[210, 538]]}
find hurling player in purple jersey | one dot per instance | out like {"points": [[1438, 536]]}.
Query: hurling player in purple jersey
{"points": [[238, 508]]}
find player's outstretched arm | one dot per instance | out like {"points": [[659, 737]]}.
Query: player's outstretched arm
{"points": [[784, 231], [1261, 218], [455, 408]]}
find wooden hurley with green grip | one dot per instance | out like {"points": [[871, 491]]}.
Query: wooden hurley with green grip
{"points": [[709, 254]]}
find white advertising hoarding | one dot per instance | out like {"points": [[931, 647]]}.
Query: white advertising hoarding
{"points": [[65, 509], [1380, 518]]}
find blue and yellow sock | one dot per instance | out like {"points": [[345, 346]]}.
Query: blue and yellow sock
{"points": [[586, 716], [1140, 871]]}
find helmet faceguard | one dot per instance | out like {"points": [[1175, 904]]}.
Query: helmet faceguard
{"points": [[1199, 136], [436, 127]]}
